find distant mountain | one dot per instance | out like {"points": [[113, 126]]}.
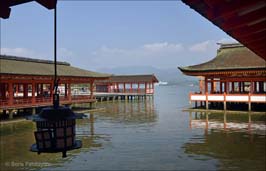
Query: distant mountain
{"points": [[170, 75]]}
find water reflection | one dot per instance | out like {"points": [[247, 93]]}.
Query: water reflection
{"points": [[236, 140], [248, 122], [94, 131], [129, 112]]}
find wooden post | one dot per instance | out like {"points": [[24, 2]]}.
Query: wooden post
{"points": [[206, 102], [130, 87], [33, 98], [233, 87], [65, 89], [91, 88], [138, 88], [124, 88], [212, 86], [221, 87], [206, 85], [69, 92], [249, 102], [145, 88], [25, 90], [239, 87], [10, 94], [260, 86], [51, 89], [224, 101], [42, 89], [33, 111], [10, 113]]}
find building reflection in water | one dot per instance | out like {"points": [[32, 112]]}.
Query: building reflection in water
{"points": [[129, 112], [247, 122], [237, 141]]}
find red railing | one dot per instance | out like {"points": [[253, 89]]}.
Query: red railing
{"points": [[42, 101]]}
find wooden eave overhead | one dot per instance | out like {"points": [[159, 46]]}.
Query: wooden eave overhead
{"points": [[244, 20], [5, 5]]}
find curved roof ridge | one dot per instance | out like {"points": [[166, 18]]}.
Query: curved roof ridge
{"points": [[234, 57], [26, 59]]}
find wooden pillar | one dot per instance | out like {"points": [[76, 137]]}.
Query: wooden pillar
{"points": [[65, 89], [130, 87], [51, 89], [17, 88], [145, 88], [2, 91], [91, 88], [10, 94], [152, 86], [249, 102], [226, 87], [260, 86], [212, 86], [206, 85], [239, 87], [233, 87], [33, 98], [69, 92], [221, 87], [201, 85], [25, 90], [224, 101], [41, 89], [251, 88], [124, 90], [138, 88], [255, 87], [206, 102]]}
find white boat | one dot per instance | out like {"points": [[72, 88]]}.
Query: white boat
{"points": [[160, 83]]}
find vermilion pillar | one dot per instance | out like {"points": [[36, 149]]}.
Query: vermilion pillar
{"points": [[91, 89], [33, 93], [206, 85], [10, 93], [69, 92], [25, 90]]}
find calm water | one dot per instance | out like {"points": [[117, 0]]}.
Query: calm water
{"points": [[147, 135]]}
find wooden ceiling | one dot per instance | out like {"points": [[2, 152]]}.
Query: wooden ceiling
{"points": [[5, 5], [244, 20]]}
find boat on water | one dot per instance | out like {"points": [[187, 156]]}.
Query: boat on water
{"points": [[161, 83]]}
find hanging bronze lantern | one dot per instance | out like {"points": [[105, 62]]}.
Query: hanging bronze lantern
{"points": [[55, 131]]}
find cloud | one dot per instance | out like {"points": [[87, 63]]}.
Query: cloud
{"points": [[203, 46], [159, 53], [165, 46]]}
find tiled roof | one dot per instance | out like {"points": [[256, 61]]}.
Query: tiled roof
{"points": [[29, 66], [229, 57], [130, 78]]}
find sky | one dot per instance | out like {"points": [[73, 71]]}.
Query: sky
{"points": [[106, 34]]}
